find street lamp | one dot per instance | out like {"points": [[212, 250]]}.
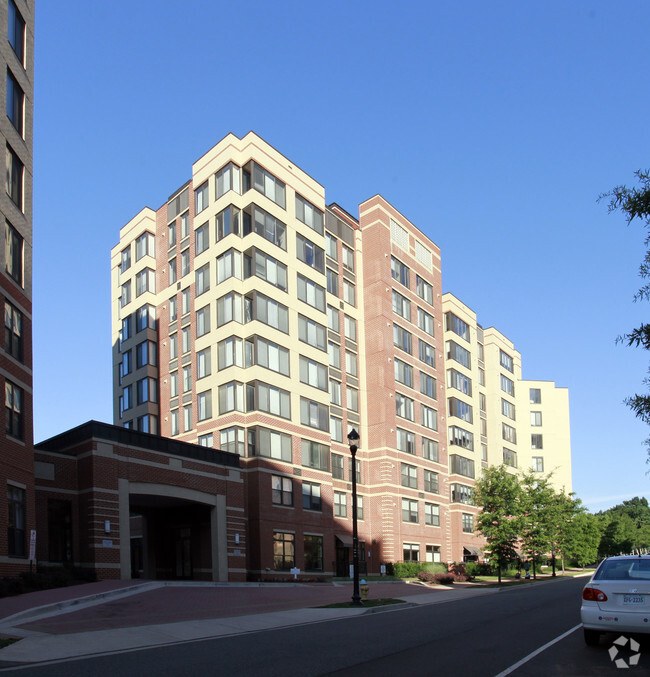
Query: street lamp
{"points": [[353, 441]]}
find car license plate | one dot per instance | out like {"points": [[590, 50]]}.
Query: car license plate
{"points": [[632, 599]]}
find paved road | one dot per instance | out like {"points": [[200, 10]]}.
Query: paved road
{"points": [[485, 635]]}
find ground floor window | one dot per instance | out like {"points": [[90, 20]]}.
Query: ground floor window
{"points": [[313, 553], [16, 526], [411, 552], [284, 550], [433, 553]]}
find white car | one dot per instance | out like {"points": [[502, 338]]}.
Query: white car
{"points": [[617, 598]]}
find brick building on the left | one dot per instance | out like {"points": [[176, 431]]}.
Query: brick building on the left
{"points": [[17, 517]]}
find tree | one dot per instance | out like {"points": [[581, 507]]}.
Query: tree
{"points": [[539, 512], [635, 204], [581, 537], [625, 527], [498, 494]]}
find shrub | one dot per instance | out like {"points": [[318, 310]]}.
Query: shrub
{"points": [[406, 569], [427, 577], [434, 567], [444, 579], [480, 569], [390, 569], [460, 573]]}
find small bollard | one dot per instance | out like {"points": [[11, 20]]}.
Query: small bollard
{"points": [[364, 591]]}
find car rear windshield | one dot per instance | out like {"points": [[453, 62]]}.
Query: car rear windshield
{"points": [[624, 570]]}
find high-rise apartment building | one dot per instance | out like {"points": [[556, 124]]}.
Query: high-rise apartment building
{"points": [[16, 436], [251, 316]]}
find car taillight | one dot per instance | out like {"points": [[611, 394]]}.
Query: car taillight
{"points": [[594, 595]]}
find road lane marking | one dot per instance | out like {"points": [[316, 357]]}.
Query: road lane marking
{"points": [[532, 655]]}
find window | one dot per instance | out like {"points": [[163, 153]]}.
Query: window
{"points": [[402, 339], [460, 493], [173, 384], [538, 463], [229, 309], [401, 306], [428, 385], [201, 239], [268, 185], [13, 410], [185, 302], [535, 395], [459, 381], [311, 293], [227, 178], [125, 261], [201, 198], [535, 418], [231, 397], [357, 465], [468, 523], [315, 455], [16, 532], [265, 225], [174, 422], [144, 246], [427, 353], [187, 379], [203, 363], [349, 293], [399, 271], [311, 496], [16, 32], [455, 324], [429, 449], [310, 253], [411, 552], [331, 246], [433, 553], [15, 102], [348, 258], [335, 392], [14, 331], [145, 281], [337, 467], [333, 319], [508, 433], [334, 354], [147, 423], [172, 271], [125, 332], [204, 404], [15, 171], [14, 260], [332, 281], [126, 399], [461, 438], [185, 262], [313, 373], [228, 222], [536, 441], [266, 310], [409, 475], [313, 548], [510, 457], [202, 321], [264, 397], [508, 409], [409, 510], [352, 398], [425, 321], [405, 441], [147, 390], [350, 328], [267, 354], [404, 407], [359, 507], [203, 279], [233, 440], [145, 318], [506, 361], [482, 402], [228, 265], [429, 417], [311, 332], [431, 481], [173, 346], [340, 504], [284, 551], [459, 354], [146, 353], [266, 268], [126, 365], [171, 234], [424, 289], [459, 465], [207, 441], [460, 409], [309, 215], [351, 363], [269, 444], [507, 385], [314, 414], [432, 514]]}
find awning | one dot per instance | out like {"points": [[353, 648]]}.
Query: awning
{"points": [[471, 550], [346, 539]]}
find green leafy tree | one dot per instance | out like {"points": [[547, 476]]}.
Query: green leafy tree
{"points": [[498, 494], [635, 205], [581, 538], [539, 512], [625, 528]]}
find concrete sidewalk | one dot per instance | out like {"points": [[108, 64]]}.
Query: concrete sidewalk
{"points": [[113, 616]]}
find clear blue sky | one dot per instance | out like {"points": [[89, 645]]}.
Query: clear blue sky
{"points": [[492, 126]]}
